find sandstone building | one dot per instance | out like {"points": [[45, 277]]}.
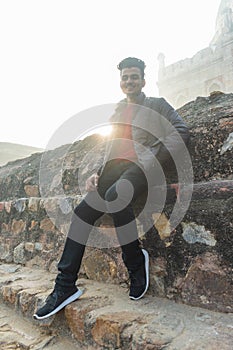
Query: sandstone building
{"points": [[210, 69]]}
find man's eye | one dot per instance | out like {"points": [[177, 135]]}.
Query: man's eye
{"points": [[135, 77], [131, 77]]}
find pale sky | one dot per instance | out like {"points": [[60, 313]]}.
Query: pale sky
{"points": [[59, 57]]}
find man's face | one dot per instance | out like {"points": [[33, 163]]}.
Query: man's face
{"points": [[131, 81]]}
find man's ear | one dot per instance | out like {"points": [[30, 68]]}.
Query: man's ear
{"points": [[143, 83]]}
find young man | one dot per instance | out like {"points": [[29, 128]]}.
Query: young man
{"points": [[125, 167]]}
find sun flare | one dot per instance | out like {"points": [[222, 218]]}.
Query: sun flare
{"points": [[104, 130]]}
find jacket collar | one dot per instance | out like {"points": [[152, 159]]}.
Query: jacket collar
{"points": [[122, 104]]}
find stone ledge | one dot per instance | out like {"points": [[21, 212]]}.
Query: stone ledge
{"points": [[105, 318]]}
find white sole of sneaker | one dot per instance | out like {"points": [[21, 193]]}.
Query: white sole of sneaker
{"points": [[146, 255], [69, 300]]}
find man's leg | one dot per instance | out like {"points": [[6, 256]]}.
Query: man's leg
{"points": [[85, 216], [65, 290], [131, 184], [83, 220]]}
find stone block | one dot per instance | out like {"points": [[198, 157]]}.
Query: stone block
{"points": [[5, 227], [47, 225], [49, 204], [162, 224], [5, 252], [208, 284], [108, 328], [193, 233], [100, 266], [38, 246], [19, 254], [31, 190], [29, 247], [20, 204], [8, 206], [158, 273], [36, 262], [27, 301], [18, 226], [33, 204], [10, 294], [158, 333], [76, 314]]}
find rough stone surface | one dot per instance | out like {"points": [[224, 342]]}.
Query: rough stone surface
{"points": [[103, 318], [33, 230], [18, 333], [19, 257], [209, 284], [193, 233]]}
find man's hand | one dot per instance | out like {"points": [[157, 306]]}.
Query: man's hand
{"points": [[92, 183]]}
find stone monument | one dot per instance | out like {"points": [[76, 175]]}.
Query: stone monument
{"points": [[209, 70]]}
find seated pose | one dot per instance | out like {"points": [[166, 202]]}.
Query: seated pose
{"points": [[145, 133]]}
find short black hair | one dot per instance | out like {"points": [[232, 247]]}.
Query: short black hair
{"points": [[130, 62]]}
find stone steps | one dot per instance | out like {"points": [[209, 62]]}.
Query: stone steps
{"points": [[17, 332], [103, 318]]}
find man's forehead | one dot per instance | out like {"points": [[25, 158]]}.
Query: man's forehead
{"points": [[131, 70]]}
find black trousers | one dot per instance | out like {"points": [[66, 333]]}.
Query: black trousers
{"points": [[118, 180]]}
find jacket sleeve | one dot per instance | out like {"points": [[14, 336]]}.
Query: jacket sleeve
{"points": [[175, 131]]}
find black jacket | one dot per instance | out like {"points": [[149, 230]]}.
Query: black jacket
{"points": [[158, 131]]}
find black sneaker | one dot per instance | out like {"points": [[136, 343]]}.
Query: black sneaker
{"points": [[139, 279], [56, 301]]}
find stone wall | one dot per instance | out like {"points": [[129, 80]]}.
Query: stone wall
{"points": [[192, 263]]}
